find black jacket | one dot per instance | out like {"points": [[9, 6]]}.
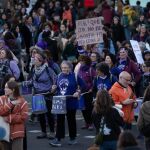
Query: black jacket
{"points": [[112, 123]]}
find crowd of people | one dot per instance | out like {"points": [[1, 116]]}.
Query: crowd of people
{"points": [[39, 50]]}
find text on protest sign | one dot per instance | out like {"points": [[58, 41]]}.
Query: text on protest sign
{"points": [[89, 31], [59, 105]]}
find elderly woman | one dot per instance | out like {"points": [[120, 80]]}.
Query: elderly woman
{"points": [[67, 84], [14, 110], [42, 78], [7, 65]]}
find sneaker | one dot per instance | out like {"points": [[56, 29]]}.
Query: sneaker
{"points": [[72, 142], [55, 143], [85, 126], [90, 127], [51, 136], [42, 136]]}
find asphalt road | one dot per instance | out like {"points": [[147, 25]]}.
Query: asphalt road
{"points": [[84, 137]]}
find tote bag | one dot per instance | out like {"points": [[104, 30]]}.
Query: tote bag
{"points": [[4, 130]]}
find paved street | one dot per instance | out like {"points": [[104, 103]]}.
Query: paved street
{"points": [[85, 137]]}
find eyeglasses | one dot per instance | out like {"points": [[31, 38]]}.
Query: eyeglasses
{"points": [[128, 80]]}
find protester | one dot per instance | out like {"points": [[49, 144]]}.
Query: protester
{"points": [[127, 141], [8, 66], [50, 26], [145, 79], [126, 64], [111, 60], [144, 117], [122, 94], [87, 74], [104, 79], [67, 84], [14, 109], [112, 121], [42, 78]]}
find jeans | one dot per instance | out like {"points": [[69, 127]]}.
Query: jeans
{"points": [[108, 145]]}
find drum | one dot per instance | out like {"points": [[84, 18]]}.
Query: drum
{"points": [[137, 110], [38, 104], [59, 105]]}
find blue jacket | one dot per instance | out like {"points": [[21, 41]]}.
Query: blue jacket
{"points": [[67, 84]]}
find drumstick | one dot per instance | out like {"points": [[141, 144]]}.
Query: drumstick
{"points": [[43, 93]]}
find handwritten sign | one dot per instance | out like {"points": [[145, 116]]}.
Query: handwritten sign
{"points": [[89, 31], [59, 105], [137, 51]]}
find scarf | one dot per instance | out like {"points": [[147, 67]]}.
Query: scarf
{"points": [[40, 69]]}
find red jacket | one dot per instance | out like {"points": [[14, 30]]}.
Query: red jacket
{"points": [[15, 115]]}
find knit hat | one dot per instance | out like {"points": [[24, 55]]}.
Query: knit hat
{"points": [[42, 44], [81, 51]]}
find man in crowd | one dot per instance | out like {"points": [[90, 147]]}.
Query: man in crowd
{"points": [[122, 94]]}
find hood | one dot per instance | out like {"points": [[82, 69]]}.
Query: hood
{"points": [[146, 110]]}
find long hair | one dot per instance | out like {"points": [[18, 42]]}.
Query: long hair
{"points": [[13, 85], [126, 139], [103, 67], [147, 94], [103, 102]]}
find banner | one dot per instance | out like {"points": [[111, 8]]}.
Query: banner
{"points": [[89, 31], [137, 51]]}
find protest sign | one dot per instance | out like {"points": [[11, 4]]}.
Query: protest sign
{"points": [[89, 31], [137, 51], [59, 105]]}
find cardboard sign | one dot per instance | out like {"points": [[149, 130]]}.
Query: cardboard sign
{"points": [[89, 31], [59, 105], [137, 51]]}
